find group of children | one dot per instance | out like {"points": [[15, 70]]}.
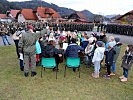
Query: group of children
{"points": [[101, 48]]}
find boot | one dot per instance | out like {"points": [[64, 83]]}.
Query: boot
{"points": [[97, 75], [33, 74], [124, 79], [121, 77], [26, 74], [94, 75]]}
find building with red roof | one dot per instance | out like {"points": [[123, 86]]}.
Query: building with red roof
{"points": [[77, 17], [26, 15], [4, 18], [46, 14]]}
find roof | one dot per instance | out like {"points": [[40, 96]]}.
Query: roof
{"points": [[43, 11], [3, 16], [28, 14], [128, 13], [78, 15], [14, 12], [55, 14]]}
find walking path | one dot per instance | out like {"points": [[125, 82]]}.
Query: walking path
{"points": [[123, 38]]}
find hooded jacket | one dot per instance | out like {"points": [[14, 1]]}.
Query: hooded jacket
{"points": [[98, 54], [72, 50]]}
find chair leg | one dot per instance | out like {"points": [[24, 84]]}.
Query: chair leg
{"points": [[79, 71], [56, 73], [41, 72], [65, 71]]}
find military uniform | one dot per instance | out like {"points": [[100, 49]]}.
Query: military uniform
{"points": [[27, 45]]}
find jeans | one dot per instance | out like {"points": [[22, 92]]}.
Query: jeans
{"points": [[88, 60], [113, 67], [16, 44], [125, 72], [21, 63], [5, 39], [97, 66]]}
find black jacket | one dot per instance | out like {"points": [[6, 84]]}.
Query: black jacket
{"points": [[110, 56]]}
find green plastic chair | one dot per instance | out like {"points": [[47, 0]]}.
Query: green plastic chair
{"points": [[48, 63], [72, 63]]}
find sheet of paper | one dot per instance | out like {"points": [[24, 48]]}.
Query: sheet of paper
{"points": [[65, 45], [21, 56]]}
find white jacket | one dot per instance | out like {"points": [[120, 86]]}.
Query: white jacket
{"points": [[98, 54]]}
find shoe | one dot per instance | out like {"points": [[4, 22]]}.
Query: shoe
{"points": [[95, 75], [74, 69], [112, 74], [124, 79], [9, 44], [106, 76], [55, 69], [33, 74], [26, 74], [22, 69], [121, 77]]}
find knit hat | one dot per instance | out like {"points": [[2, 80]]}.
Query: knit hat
{"points": [[111, 44], [100, 43], [117, 39], [30, 27]]}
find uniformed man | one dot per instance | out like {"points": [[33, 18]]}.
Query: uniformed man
{"points": [[27, 45]]}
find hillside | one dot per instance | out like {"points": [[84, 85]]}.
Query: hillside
{"points": [[63, 11], [89, 15], [5, 5]]}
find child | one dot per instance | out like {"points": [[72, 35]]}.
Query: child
{"points": [[127, 62], [98, 56], [117, 48], [110, 56], [89, 51]]}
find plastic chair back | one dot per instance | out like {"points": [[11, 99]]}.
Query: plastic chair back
{"points": [[48, 62], [73, 62]]}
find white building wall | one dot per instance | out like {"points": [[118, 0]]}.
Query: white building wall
{"points": [[21, 18]]}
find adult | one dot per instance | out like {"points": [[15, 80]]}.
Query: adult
{"points": [[73, 49], [3, 33], [16, 36], [27, 45], [49, 51]]}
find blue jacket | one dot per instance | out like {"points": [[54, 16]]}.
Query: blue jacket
{"points": [[72, 50], [84, 44], [38, 47]]}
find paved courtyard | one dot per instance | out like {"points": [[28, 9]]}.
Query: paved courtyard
{"points": [[124, 39]]}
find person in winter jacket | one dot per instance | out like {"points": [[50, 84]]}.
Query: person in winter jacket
{"points": [[89, 52], [117, 48], [110, 56], [49, 51], [73, 49], [98, 56], [127, 61]]}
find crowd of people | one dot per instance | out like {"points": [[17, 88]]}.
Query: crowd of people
{"points": [[33, 43]]}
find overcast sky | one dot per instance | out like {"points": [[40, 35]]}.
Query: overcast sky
{"points": [[103, 7]]}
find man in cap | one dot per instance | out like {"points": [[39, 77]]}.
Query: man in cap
{"points": [[27, 45]]}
